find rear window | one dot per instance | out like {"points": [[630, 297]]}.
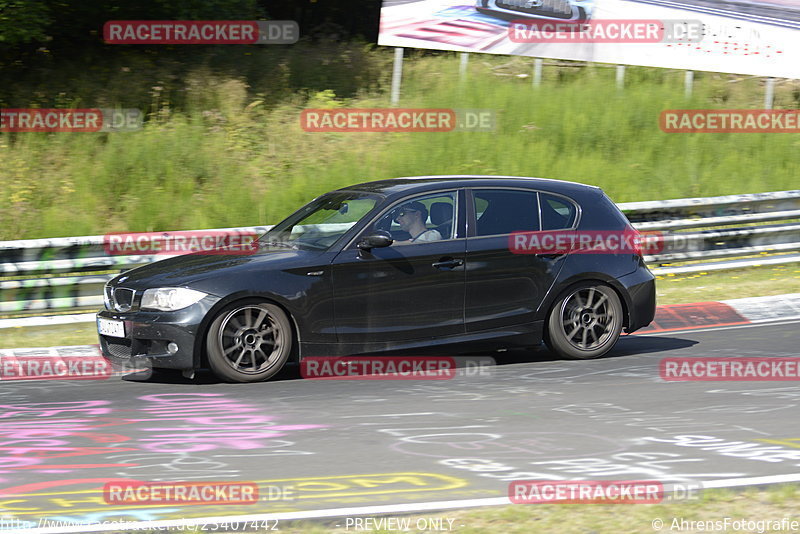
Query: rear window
{"points": [[557, 212], [504, 211]]}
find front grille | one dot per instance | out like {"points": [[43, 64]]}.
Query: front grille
{"points": [[544, 8], [123, 299], [119, 348]]}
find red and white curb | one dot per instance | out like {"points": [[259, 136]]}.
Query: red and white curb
{"points": [[48, 320], [764, 309], [733, 312]]}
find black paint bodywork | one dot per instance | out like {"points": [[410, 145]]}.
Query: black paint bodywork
{"points": [[345, 301]]}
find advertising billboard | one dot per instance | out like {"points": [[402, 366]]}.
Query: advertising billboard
{"points": [[756, 37]]}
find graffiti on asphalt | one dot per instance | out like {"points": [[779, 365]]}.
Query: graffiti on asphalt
{"points": [[170, 436]]}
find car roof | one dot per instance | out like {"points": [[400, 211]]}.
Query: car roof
{"points": [[410, 184]]}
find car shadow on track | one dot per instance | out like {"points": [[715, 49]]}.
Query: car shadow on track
{"points": [[626, 346], [201, 377], [629, 345]]}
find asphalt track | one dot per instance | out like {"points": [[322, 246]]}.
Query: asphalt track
{"points": [[313, 445]]}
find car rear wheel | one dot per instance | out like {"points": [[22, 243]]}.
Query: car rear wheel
{"points": [[585, 322], [249, 342]]}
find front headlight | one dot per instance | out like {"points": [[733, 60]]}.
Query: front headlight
{"points": [[106, 300], [170, 298]]}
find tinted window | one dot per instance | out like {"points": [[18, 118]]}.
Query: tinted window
{"points": [[434, 215], [557, 212], [324, 220], [503, 211]]}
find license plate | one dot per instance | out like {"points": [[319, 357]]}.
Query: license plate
{"points": [[110, 327]]}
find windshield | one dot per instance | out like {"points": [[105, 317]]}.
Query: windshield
{"points": [[320, 223]]}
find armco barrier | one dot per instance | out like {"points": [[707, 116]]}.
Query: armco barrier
{"points": [[741, 230], [702, 234], [686, 213], [65, 272]]}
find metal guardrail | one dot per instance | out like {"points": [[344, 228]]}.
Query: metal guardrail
{"points": [[730, 228], [64, 273], [713, 211]]}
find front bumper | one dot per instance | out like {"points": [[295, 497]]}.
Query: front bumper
{"points": [[148, 333]]}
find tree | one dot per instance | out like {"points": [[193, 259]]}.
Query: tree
{"points": [[66, 23], [23, 21]]}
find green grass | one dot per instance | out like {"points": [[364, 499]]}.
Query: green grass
{"points": [[48, 336], [763, 507], [774, 503], [229, 157], [724, 285]]}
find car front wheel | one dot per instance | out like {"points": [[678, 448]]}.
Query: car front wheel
{"points": [[585, 323], [249, 342]]}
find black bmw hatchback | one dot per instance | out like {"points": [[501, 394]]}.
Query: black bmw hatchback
{"points": [[447, 264]]}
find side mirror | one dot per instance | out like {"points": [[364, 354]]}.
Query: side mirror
{"points": [[380, 239]]}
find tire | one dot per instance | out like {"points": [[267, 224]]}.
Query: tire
{"points": [[585, 322], [249, 341]]}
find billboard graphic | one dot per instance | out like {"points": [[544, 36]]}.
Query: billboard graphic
{"points": [[756, 37]]}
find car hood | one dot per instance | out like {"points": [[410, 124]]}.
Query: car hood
{"points": [[194, 270]]}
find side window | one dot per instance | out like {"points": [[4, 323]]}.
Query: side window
{"points": [[503, 211], [557, 212], [421, 219]]}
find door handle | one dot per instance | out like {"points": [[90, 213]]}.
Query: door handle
{"points": [[550, 256], [448, 264]]}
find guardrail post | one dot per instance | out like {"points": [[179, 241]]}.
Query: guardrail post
{"points": [[537, 71], [620, 76], [397, 76], [769, 93], [688, 83], [462, 67]]}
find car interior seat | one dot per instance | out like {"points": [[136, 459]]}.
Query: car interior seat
{"points": [[441, 215]]}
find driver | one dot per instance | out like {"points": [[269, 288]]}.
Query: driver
{"points": [[411, 217]]}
